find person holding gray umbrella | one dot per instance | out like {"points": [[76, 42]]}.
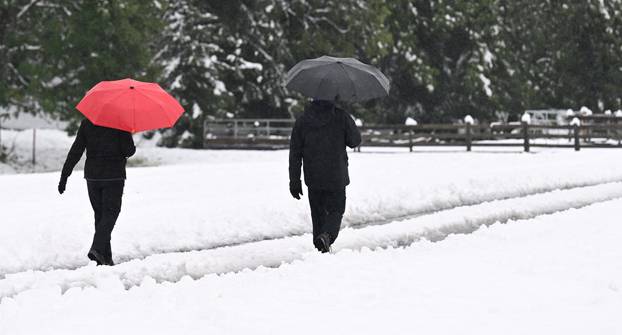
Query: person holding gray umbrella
{"points": [[322, 133]]}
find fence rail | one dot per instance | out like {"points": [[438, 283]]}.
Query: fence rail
{"points": [[275, 133]]}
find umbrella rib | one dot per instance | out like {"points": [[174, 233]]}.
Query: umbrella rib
{"points": [[310, 64], [105, 103], [374, 79], [134, 111], [384, 81], [320, 85], [157, 103], [351, 81]]}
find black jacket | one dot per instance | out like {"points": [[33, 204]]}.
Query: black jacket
{"points": [[107, 151], [319, 139]]}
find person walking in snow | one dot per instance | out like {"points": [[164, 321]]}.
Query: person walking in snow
{"points": [[107, 151], [318, 143]]}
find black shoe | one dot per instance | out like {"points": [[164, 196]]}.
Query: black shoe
{"points": [[94, 255], [322, 243]]}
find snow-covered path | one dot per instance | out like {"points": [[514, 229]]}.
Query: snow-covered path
{"points": [[172, 267], [210, 199], [555, 274], [205, 231]]}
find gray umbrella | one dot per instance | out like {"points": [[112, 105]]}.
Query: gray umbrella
{"points": [[326, 77]]}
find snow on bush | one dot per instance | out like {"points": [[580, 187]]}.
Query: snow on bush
{"points": [[410, 122]]}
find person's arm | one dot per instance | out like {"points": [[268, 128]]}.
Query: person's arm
{"points": [[295, 160], [73, 157], [127, 145], [353, 135]]}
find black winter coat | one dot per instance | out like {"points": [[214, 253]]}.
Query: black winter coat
{"points": [[107, 151], [319, 139]]}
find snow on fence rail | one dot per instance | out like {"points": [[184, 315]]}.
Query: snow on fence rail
{"points": [[275, 133]]}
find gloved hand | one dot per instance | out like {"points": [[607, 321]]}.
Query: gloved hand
{"points": [[62, 184], [295, 188]]}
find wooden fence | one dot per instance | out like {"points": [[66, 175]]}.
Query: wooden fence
{"points": [[274, 134], [247, 133]]}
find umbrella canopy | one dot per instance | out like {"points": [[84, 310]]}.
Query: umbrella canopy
{"points": [[130, 105], [327, 77]]}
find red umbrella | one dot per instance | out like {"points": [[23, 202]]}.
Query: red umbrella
{"points": [[130, 105]]}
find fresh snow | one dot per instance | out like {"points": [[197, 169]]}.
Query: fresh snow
{"points": [[557, 274], [469, 119], [211, 240], [222, 197], [410, 122], [435, 226], [526, 118]]}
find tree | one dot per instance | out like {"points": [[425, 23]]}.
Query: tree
{"points": [[20, 52], [93, 41], [440, 60], [561, 54], [231, 57]]}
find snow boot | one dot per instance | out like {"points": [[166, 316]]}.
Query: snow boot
{"points": [[94, 255], [322, 243]]}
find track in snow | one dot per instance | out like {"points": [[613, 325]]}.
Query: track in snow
{"points": [[435, 226], [356, 225], [389, 219]]}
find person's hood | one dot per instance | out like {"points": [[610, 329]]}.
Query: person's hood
{"points": [[319, 113]]}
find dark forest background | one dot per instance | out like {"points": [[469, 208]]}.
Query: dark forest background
{"points": [[491, 59]]}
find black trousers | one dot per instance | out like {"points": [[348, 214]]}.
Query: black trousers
{"points": [[327, 208], [105, 199]]}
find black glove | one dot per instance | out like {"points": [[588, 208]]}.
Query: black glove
{"points": [[62, 184], [295, 188]]}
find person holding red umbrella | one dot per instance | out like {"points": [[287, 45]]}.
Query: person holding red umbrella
{"points": [[114, 110]]}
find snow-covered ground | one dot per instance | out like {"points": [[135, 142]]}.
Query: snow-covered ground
{"points": [[557, 274], [211, 240]]}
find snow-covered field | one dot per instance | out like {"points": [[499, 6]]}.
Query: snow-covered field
{"points": [[558, 274], [211, 240]]}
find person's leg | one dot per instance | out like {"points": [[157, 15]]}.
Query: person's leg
{"points": [[317, 212], [111, 207], [95, 196], [335, 206]]}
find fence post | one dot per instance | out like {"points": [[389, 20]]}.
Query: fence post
{"points": [[268, 128], [34, 146], [358, 149], [468, 137], [410, 140], [204, 140], [577, 142], [235, 129], [526, 136]]}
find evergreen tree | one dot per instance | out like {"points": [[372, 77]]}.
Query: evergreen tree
{"points": [[561, 54], [21, 52], [93, 41], [440, 60], [445, 58], [189, 49]]}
